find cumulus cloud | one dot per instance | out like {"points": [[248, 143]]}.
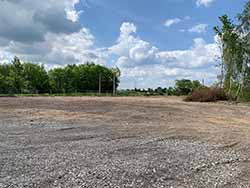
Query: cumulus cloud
{"points": [[139, 60], [45, 31], [134, 51], [131, 49], [49, 32], [72, 14], [30, 21], [205, 3], [127, 28], [200, 55], [200, 28], [59, 49]]}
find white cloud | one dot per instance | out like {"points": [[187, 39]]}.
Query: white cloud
{"points": [[126, 40], [139, 60], [182, 30], [200, 28], [134, 51], [59, 49], [72, 14], [205, 3], [173, 21], [45, 31], [127, 29], [55, 37], [3, 56], [28, 21], [198, 56], [170, 22]]}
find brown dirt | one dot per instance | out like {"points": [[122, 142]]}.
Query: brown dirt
{"points": [[213, 122], [126, 119]]}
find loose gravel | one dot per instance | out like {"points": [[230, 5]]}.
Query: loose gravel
{"points": [[92, 151]]}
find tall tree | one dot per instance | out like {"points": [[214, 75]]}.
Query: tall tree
{"points": [[36, 78], [235, 40], [231, 48], [244, 36], [16, 73]]}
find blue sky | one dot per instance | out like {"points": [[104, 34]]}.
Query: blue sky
{"points": [[153, 42], [105, 17]]}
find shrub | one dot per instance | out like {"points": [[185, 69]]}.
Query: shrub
{"points": [[207, 95]]}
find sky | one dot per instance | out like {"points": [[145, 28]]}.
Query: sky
{"points": [[152, 42]]}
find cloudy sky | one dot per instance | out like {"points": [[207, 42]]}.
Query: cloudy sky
{"points": [[153, 42]]}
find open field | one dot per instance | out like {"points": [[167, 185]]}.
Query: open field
{"points": [[123, 142]]}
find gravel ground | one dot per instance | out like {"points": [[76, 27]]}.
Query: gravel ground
{"points": [[123, 142]]}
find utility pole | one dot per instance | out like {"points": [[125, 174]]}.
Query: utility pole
{"points": [[116, 73], [114, 84], [100, 84]]}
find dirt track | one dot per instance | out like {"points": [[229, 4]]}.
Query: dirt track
{"points": [[123, 142]]}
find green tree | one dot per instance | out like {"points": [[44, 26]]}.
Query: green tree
{"points": [[184, 87], [231, 52], [82, 78], [235, 42], [57, 80], [196, 85], [244, 39], [36, 78], [16, 75]]}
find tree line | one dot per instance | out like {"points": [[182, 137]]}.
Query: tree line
{"points": [[25, 77], [182, 87], [235, 54]]}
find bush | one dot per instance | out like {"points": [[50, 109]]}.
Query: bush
{"points": [[207, 95]]}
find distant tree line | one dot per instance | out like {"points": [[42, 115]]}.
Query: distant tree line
{"points": [[182, 87], [24, 77]]}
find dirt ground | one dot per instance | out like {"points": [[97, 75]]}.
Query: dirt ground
{"points": [[123, 142]]}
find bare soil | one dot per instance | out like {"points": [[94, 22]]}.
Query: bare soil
{"points": [[123, 142]]}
